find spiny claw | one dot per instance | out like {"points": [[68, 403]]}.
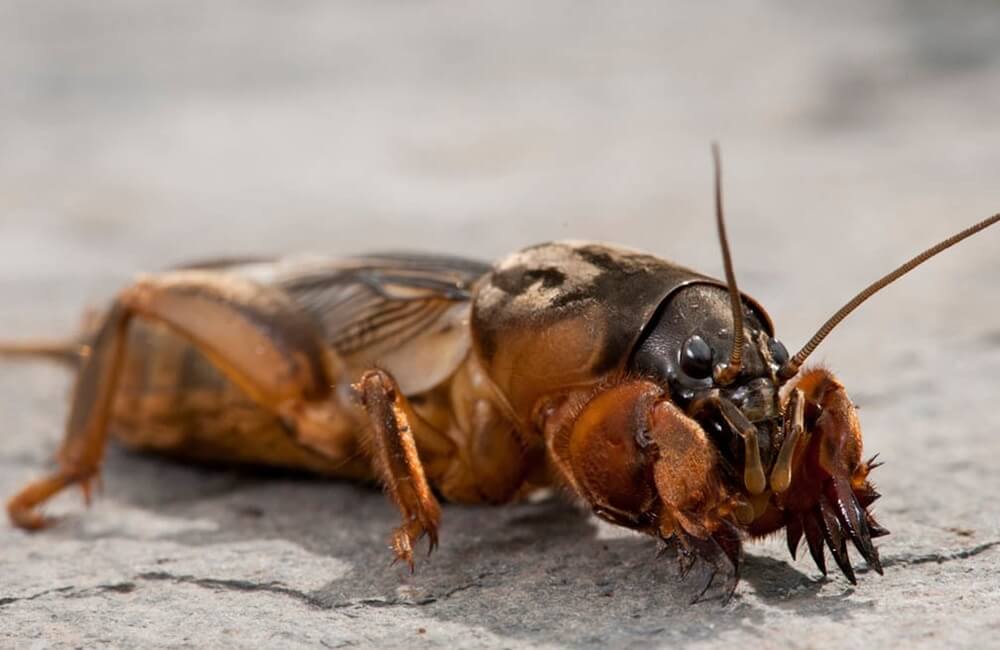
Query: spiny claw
{"points": [[867, 495], [404, 538], [793, 531], [402, 547], [708, 583], [853, 519], [685, 560], [432, 541], [814, 538], [729, 541], [722, 552], [687, 563], [839, 514], [729, 589], [685, 556], [835, 539], [875, 528]]}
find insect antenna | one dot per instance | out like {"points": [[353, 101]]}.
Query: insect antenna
{"points": [[725, 374], [68, 351], [792, 365]]}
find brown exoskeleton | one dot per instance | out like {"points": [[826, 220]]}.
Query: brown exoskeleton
{"points": [[657, 395]]}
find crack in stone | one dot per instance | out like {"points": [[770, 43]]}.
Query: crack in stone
{"points": [[448, 594], [72, 592], [273, 587], [941, 558], [312, 599], [396, 602], [7, 601]]}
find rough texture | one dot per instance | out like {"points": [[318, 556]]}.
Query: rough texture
{"points": [[138, 134]]}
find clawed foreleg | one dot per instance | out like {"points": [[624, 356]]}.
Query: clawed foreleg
{"points": [[829, 493]]}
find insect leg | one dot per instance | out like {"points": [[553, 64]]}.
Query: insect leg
{"points": [[722, 552], [693, 496], [253, 334], [753, 473], [393, 448], [67, 352], [83, 447], [781, 473], [829, 492]]}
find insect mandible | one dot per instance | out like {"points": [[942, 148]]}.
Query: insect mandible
{"points": [[655, 394]]}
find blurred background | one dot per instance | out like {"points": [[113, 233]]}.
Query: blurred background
{"points": [[137, 134]]}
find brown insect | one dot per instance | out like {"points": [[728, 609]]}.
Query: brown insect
{"points": [[657, 395]]}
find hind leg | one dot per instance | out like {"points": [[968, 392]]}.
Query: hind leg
{"points": [[67, 352], [83, 446], [252, 333]]}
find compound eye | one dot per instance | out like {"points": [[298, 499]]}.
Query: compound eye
{"points": [[778, 352], [696, 358]]}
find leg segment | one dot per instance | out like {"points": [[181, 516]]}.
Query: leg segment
{"points": [[696, 507], [753, 473], [69, 351], [392, 446], [253, 334], [82, 449], [642, 463], [468, 450], [66, 352], [722, 553]]}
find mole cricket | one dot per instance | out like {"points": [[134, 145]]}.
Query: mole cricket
{"points": [[655, 394]]}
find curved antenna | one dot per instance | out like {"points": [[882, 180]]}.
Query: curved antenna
{"points": [[725, 374], [792, 365]]}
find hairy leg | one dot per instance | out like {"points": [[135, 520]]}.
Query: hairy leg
{"points": [[392, 445], [253, 334]]}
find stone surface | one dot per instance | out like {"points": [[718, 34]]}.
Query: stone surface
{"points": [[138, 134]]}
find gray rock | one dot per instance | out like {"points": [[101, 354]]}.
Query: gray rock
{"points": [[139, 134]]}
